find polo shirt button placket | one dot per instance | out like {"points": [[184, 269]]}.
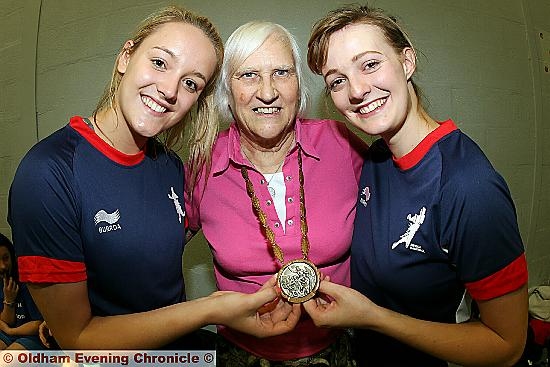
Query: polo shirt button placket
{"points": [[290, 222]]}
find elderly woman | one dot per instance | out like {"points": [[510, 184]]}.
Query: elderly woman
{"points": [[279, 196]]}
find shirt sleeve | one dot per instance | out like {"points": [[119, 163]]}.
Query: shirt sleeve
{"points": [[44, 215], [193, 200], [358, 148], [482, 233]]}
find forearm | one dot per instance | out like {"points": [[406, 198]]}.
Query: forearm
{"points": [[147, 330], [28, 328], [8, 314], [466, 344]]}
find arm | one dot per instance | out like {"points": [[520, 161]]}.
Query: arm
{"points": [[66, 310], [502, 327], [28, 328]]}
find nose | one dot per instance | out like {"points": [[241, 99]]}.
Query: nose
{"points": [[267, 90], [168, 88], [359, 87]]}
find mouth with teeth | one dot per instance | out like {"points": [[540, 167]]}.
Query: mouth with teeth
{"points": [[372, 106], [266, 110], [148, 101]]}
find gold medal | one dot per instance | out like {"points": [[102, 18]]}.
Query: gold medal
{"points": [[298, 280]]}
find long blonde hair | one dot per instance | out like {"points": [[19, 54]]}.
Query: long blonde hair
{"points": [[203, 128]]}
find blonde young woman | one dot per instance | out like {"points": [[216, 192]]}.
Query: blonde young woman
{"points": [[436, 227], [96, 208]]}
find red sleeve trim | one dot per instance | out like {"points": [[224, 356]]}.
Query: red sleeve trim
{"points": [[39, 269], [506, 280]]}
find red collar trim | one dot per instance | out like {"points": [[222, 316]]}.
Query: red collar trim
{"points": [[87, 133], [410, 159]]}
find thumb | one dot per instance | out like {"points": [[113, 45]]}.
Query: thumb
{"points": [[310, 306], [264, 296], [330, 289]]}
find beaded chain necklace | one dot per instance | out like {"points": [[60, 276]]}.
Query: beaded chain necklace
{"points": [[298, 279]]}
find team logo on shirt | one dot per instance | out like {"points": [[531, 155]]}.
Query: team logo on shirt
{"points": [[414, 225], [365, 196], [110, 218], [174, 197]]}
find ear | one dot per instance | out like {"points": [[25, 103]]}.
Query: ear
{"points": [[409, 61], [124, 57]]}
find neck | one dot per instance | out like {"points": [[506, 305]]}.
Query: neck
{"points": [[112, 128], [417, 125], [267, 160]]}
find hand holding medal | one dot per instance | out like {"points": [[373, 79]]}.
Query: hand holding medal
{"points": [[298, 279]]}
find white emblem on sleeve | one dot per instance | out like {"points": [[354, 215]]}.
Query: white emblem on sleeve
{"points": [[174, 197]]}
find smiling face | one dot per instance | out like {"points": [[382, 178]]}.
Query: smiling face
{"points": [[163, 77], [368, 79], [265, 94]]}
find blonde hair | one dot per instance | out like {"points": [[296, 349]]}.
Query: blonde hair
{"points": [[242, 43], [203, 129]]}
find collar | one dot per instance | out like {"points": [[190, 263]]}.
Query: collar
{"points": [[410, 159], [232, 152], [78, 124]]}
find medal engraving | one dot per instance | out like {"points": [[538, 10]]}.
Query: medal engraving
{"points": [[298, 280]]}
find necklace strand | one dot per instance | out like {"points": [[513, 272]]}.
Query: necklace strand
{"points": [[262, 217]]}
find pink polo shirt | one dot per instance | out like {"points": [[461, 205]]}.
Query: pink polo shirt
{"points": [[243, 260]]}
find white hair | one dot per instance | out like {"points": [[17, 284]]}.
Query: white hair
{"points": [[242, 43]]}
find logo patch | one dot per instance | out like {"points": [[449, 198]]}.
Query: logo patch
{"points": [[110, 218], [174, 197], [414, 225], [365, 196]]}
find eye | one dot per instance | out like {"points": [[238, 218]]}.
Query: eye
{"points": [[371, 65], [247, 75], [190, 85], [281, 72], [336, 84], [159, 63]]}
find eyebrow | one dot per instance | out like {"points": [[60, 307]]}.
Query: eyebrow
{"points": [[169, 52], [353, 59], [278, 67]]}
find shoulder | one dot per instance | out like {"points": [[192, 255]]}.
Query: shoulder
{"points": [[469, 179], [323, 125], [52, 155], [317, 131], [161, 154], [464, 163]]}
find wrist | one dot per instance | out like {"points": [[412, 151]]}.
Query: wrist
{"points": [[9, 304]]}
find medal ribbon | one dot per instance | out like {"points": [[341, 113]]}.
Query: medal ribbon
{"points": [[262, 217]]}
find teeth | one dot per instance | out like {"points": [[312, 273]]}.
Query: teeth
{"points": [[372, 106], [152, 104], [267, 110]]}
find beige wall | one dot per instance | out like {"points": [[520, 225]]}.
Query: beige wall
{"points": [[481, 63]]}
